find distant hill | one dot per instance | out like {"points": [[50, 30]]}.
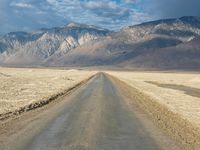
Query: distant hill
{"points": [[162, 44]]}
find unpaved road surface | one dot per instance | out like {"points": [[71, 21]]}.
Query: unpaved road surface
{"points": [[95, 117]]}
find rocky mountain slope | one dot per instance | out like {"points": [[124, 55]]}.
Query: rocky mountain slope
{"points": [[185, 56], [21, 48], [131, 46], [163, 44]]}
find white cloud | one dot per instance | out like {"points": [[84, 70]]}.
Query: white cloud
{"points": [[41, 12], [101, 4], [139, 17], [131, 1], [35, 14], [21, 5]]}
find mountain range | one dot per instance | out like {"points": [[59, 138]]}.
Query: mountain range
{"points": [[162, 44]]}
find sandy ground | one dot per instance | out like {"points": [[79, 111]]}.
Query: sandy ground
{"points": [[20, 87], [180, 92], [94, 117], [172, 100]]}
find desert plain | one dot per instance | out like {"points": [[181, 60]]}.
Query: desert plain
{"points": [[170, 99], [178, 91], [20, 87]]}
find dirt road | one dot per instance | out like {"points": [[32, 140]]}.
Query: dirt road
{"points": [[95, 117]]}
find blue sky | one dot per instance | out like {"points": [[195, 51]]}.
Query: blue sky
{"points": [[27, 15]]}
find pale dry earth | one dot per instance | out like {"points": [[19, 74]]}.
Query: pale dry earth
{"points": [[94, 117], [168, 97], [21, 87], [168, 89], [171, 99]]}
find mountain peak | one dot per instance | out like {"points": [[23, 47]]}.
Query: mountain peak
{"points": [[73, 24], [152, 44], [79, 25], [190, 19]]}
